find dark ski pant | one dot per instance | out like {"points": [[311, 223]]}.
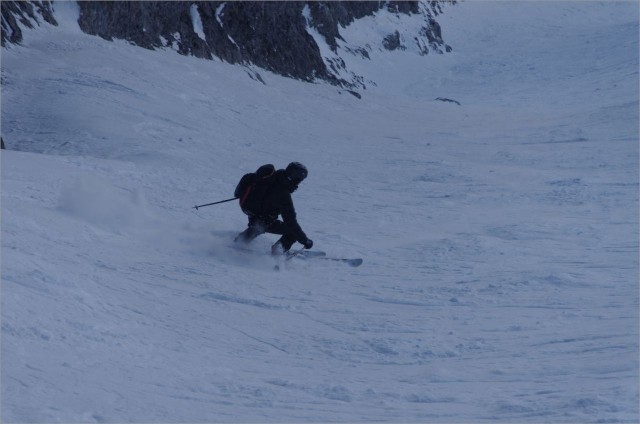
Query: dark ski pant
{"points": [[261, 225]]}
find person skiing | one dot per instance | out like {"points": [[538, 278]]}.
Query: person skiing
{"points": [[265, 195]]}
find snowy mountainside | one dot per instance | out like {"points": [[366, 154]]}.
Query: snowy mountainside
{"points": [[499, 235], [17, 15], [417, 34], [288, 38]]}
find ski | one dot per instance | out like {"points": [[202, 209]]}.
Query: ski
{"points": [[310, 254], [354, 262], [305, 254]]}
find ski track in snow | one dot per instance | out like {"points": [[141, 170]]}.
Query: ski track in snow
{"points": [[499, 236]]}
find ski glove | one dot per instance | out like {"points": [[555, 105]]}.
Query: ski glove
{"points": [[308, 244]]}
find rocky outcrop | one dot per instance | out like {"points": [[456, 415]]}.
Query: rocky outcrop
{"points": [[28, 14], [271, 35]]}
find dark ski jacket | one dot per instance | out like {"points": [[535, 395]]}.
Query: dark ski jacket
{"points": [[277, 201]]}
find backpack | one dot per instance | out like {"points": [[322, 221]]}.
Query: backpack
{"points": [[253, 187]]}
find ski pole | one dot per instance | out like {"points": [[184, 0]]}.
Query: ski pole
{"points": [[214, 203]]}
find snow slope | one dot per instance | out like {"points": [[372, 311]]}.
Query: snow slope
{"points": [[499, 236]]}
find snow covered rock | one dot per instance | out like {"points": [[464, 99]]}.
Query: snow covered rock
{"points": [[301, 40], [25, 13]]}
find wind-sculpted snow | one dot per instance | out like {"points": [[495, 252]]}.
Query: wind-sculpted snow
{"points": [[499, 235]]}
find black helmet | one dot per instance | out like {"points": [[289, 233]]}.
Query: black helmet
{"points": [[296, 172]]}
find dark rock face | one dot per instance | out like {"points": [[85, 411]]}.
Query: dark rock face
{"points": [[326, 16], [27, 14], [272, 35], [392, 42]]}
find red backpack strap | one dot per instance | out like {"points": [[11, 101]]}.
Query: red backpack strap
{"points": [[246, 194]]}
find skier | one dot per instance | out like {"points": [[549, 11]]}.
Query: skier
{"points": [[266, 194]]}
